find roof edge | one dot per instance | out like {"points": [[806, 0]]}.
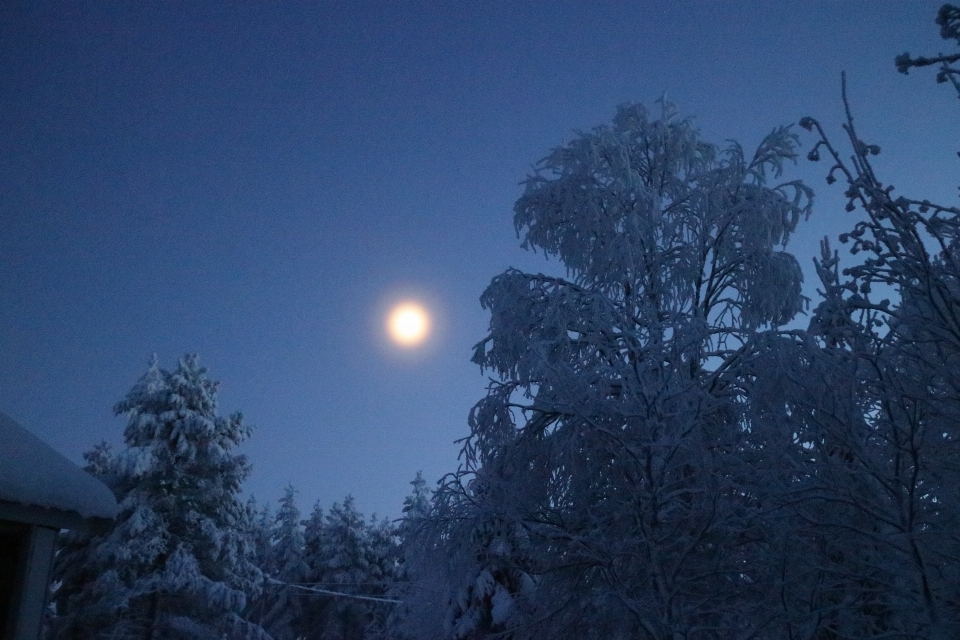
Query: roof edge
{"points": [[51, 518]]}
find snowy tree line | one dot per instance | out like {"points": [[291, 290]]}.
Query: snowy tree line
{"points": [[187, 558], [664, 451]]}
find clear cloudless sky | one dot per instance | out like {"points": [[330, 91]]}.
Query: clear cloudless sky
{"points": [[257, 181]]}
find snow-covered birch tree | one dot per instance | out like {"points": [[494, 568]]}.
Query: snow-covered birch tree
{"points": [[900, 480], [948, 19], [596, 496]]}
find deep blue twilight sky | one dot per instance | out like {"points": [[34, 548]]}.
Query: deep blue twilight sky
{"points": [[257, 181]]}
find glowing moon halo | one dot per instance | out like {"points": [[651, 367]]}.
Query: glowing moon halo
{"points": [[408, 324]]}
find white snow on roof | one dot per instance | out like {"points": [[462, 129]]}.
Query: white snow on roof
{"points": [[33, 473]]}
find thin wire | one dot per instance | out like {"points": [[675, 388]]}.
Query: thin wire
{"points": [[327, 592], [378, 583]]}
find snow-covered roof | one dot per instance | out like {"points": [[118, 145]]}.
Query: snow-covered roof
{"points": [[33, 474]]}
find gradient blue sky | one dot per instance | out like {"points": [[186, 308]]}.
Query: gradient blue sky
{"points": [[255, 181]]}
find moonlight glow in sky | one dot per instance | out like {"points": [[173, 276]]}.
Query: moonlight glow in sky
{"points": [[408, 324], [259, 182]]}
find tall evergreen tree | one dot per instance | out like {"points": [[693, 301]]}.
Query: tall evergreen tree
{"points": [[284, 567], [416, 573], [416, 511], [261, 532], [178, 561]]}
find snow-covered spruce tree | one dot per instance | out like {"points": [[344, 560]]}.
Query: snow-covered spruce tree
{"points": [[346, 555], [599, 493], [312, 607], [416, 577], [901, 480], [77, 565], [178, 561], [416, 511], [261, 530], [278, 608]]}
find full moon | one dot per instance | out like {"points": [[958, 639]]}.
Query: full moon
{"points": [[408, 324]]}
